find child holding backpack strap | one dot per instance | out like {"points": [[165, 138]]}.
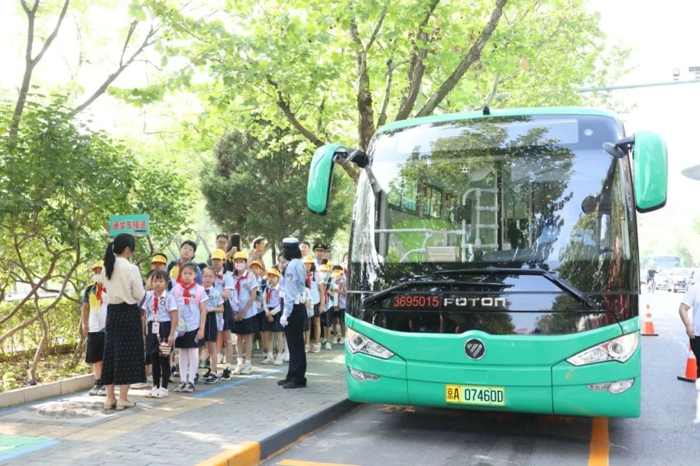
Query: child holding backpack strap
{"points": [[192, 306]]}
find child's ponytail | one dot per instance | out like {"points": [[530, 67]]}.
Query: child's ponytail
{"points": [[109, 260]]}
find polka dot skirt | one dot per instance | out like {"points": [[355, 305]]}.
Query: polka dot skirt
{"points": [[124, 352]]}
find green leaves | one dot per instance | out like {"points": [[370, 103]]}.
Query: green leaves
{"points": [[255, 195], [301, 55]]}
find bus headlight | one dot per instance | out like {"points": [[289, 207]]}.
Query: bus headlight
{"points": [[358, 343], [618, 349]]}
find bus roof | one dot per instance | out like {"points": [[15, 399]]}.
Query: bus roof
{"points": [[498, 113]]}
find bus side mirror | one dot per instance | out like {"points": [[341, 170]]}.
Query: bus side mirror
{"points": [[318, 191], [650, 171]]}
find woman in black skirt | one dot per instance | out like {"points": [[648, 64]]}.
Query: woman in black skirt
{"points": [[124, 334]]}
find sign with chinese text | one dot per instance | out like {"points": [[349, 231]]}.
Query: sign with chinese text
{"points": [[135, 224]]}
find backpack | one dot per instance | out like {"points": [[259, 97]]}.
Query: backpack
{"points": [[181, 327]]}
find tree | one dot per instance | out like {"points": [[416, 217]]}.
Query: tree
{"points": [[61, 182], [266, 195], [331, 69]]}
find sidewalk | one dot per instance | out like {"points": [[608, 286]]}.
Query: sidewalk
{"points": [[182, 429]]}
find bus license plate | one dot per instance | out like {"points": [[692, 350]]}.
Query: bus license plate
{"points": [[475, 395]]}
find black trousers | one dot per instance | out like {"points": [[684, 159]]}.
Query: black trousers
{"points": [[295, 341], [695, 346], [161, 370]]}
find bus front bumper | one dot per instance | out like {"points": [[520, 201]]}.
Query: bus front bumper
{"points": [[609, 389]]}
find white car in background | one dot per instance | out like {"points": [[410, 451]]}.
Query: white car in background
{"points": [[682, 278]]}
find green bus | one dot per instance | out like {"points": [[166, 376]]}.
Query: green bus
{"points": [[494, 260]]}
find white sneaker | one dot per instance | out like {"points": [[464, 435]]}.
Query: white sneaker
{"points": [[285, 357], [341, 341], [268, 360], [328, 346], [336, 340], [247, 369], [153, 393], [139, 386], [162, 392], [280, 360], [238, 369], [316, 348], [307, 348]]}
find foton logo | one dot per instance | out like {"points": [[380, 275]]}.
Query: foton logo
{"points": [[476, 302]]}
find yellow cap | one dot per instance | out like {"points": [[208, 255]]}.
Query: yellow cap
{"points": [[97, 265], [218, 254], [274, 272], [159, 258], [324, 268], [308, 260], [256, 263], [336, 273], [241, 255]]}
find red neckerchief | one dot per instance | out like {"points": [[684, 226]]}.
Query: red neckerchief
{"points": [[238, 281], [308, 279], [100, 290], [269, 292], [186, 294], [220, 275], [179, 273]]}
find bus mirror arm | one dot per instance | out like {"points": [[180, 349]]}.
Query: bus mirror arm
{"points": [[359, 158], [621, 148]]}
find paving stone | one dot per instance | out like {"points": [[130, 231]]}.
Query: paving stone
{"points": [[182, 428]]}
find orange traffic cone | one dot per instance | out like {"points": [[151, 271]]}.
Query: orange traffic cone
{"points": [[648, 327], [691, 368]]}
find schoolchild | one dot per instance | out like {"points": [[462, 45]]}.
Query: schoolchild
{"points": [[246, 287], [187, 252], [338, 314], [257, 268], [225, 285], [192, 314], [281, 265], [160, 310], [316, 289], [272, 313], [331, 295], [215, 307], [94, 318]]}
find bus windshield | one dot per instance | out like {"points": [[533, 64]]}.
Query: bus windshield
{"points": [[533, 192]]}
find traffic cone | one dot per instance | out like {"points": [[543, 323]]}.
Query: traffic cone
{"points": [[648, 327], [691, 368]]}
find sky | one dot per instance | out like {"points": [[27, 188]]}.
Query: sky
{"points": [[662, 37]]}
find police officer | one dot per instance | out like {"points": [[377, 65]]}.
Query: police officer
{"points": [[295, 312]]}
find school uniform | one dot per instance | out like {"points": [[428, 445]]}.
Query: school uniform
{"points": [[211, 330], [174, 270], [188, 302], [245, 285], [272, 303], [96, 298], [331, 300], [157, 309], [224, 281], [312, 284], [342, 299], [260, 316]]}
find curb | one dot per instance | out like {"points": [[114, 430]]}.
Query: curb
{"points": [[63, 387], [268, 443]]}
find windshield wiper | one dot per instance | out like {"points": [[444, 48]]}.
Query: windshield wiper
{"points": [[539, 272]]}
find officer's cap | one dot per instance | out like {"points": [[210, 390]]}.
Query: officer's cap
{"points": [[290, 242]]}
